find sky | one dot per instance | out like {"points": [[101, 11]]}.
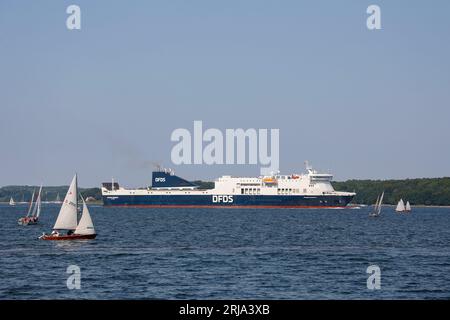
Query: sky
{"points": [[103, 101]]}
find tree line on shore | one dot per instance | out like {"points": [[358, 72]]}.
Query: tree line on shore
{"points": [[25, 193], [426, 191]]}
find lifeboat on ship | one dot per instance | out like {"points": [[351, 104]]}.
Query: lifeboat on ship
{"points": [[270, 180]]}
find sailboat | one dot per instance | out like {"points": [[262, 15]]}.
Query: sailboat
{"points": [[12, 202], [24, 220], [57, 200], [377, 208], [37, 208], [407, 207], [33, 214], [67, 219], [401, 207]]}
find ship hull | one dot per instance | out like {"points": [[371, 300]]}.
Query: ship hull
{"points": [[227, 201]]}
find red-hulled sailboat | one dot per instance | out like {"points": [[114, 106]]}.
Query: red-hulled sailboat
{"points": [[66, 225]]}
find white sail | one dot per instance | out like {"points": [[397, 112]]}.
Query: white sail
{"points": [[400, 206], [67, 217], [11, 202], [37, 206], [58, 200], [379, 204], [85, 226], [408, 206], [375, 208], [376, 204], [31, 204]]}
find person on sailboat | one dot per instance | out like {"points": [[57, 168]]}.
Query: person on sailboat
{"points": [[55, 233]]}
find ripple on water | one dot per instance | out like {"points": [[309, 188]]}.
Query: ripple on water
{"points": [[220, 254]]}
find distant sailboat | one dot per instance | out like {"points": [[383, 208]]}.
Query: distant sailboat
{"points": [[37, 208], [377, 208], [33, 214], [12, 202], [23, 221], [57, 200], [407, 207], [67, 219], [401, 206]]}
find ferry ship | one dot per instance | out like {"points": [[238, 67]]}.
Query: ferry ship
{"points": [[308, 190]]}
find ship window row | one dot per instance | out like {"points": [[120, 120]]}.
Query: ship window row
{"points": [[287, 191], [250, 191], [336, 201], [249, 181]]}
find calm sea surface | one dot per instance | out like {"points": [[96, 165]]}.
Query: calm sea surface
{"points": [[230, 254]]}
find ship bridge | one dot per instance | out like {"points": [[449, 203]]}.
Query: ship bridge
{"points": [[321, 177]]}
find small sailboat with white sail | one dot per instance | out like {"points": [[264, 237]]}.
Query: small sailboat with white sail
{"points": [[12, 202], [33, 214], [377, 208], [407, 207], [58, 199], [402, 208], [66, 226]]}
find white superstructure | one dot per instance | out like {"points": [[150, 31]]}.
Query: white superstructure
{"points": [[311, 183]]}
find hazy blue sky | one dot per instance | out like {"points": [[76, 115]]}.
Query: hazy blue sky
{"points": [[104, 100]]}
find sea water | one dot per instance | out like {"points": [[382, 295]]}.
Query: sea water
{"points": [[230, 254]]}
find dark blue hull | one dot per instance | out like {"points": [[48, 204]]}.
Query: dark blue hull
{"points": [[233, 201]]}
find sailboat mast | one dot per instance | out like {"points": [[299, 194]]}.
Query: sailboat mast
{"points": [[379, 205], [76, 192], [31, 204]]}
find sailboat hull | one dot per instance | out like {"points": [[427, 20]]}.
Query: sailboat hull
{"points": [[68, 237], [26, 221]]}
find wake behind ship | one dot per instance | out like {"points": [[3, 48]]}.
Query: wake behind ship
{"points": [[309, 190]]}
